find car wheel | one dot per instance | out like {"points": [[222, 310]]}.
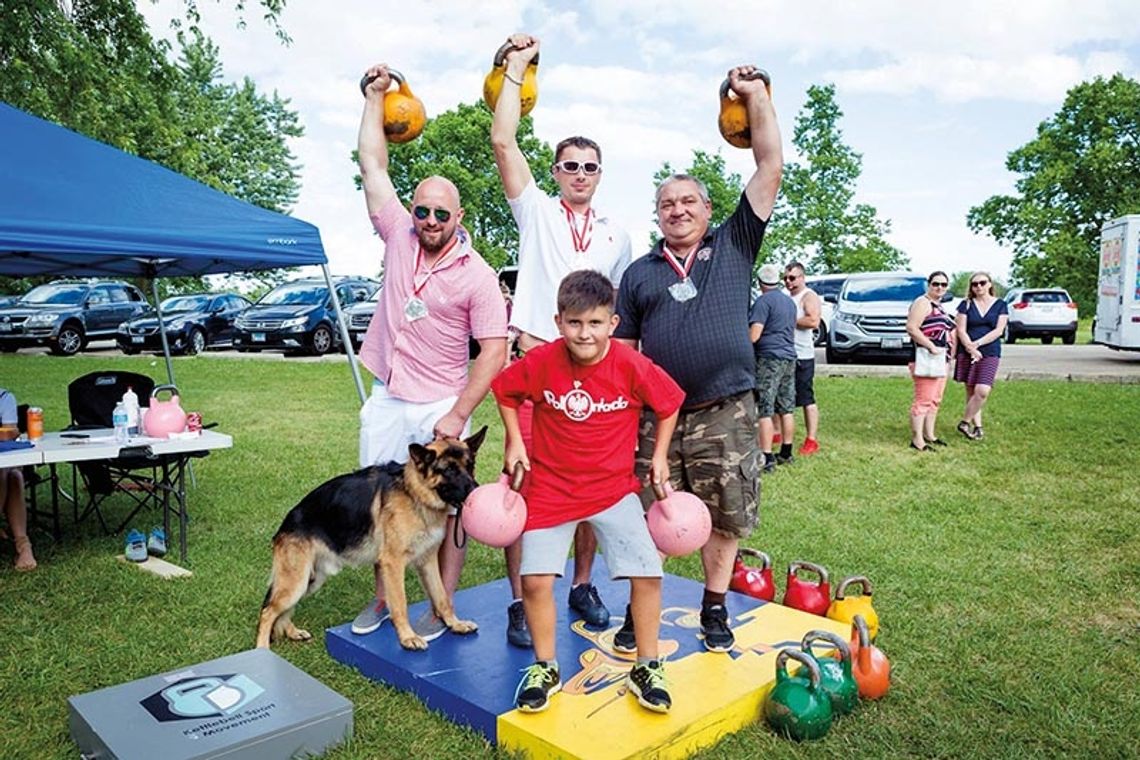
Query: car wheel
{"points": [[196, 344], [1010, 337], [821, 334], [9, 349], [1047, 340], [834, 357], [68, 342], [1069, 338], [129, 350], [321, 341]]}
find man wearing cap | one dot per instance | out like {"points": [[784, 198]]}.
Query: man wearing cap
{"points": [[772, 329], [686, 302]]}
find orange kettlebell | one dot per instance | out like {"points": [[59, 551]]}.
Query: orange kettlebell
{"points": [[733, 119], [871, 668], [404, 114], [493, 83]]}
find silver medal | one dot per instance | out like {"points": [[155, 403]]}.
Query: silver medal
{"points": [[415, 309], [683, 291]]}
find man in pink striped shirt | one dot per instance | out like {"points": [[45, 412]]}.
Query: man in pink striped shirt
{"points": [[438, 292]]}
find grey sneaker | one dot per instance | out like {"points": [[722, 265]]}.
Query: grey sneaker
{"points": [[768, 466], [539, 683], [647, 683], [781, 459], [429, 627], [517, 633], [624, 640], [585, 601], [370, 618]]}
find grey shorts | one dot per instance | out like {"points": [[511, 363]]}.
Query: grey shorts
{"points": [[715, 455], [623, 536], [775, 386]]}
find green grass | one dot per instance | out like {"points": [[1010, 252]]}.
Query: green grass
{"points": [[1005, 571]]}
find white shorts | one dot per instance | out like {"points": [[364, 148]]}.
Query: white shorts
{"points": [[623, 536], [389, 425]]}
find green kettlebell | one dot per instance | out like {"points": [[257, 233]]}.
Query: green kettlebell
{"points": [[798, 707], [835, 676]]}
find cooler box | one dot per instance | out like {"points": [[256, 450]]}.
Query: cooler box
{"points": [[248, 705]]}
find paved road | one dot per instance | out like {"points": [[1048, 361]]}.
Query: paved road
{"points": [[1022, 361]]}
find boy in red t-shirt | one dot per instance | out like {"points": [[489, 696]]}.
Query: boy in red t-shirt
{"points": [[588, 393]]}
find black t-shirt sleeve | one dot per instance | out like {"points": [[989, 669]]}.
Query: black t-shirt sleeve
{"points": [[745, 229]]}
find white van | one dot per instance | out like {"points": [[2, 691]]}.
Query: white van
{"points": [[870, 316], [1118, 285]]}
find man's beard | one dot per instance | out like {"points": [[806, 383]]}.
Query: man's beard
{"points": [[431, 247]]}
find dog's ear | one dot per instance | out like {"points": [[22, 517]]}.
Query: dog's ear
{"points": [[475, 441], [421, 455]]}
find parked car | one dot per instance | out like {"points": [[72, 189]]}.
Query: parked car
{"points": [[359, 316], [827, 287], [65, 315], [298, 316], [193, 323], [1043, 313], [870, 316]]}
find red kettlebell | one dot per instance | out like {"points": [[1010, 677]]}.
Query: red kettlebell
{"points": [[804, 595], [754, 581], [871, 668]]}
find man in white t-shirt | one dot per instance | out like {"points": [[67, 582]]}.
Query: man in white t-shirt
{"points": [[807, 320], [556, 236]]}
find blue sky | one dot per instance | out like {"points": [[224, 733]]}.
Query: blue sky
{"points": [[934, 95]]}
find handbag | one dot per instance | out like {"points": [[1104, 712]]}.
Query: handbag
{"points": [[928, 363]]}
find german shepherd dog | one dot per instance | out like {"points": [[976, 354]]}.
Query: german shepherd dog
{"points": [[391, 515]]}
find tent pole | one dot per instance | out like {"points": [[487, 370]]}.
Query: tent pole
{"points": [[344, 336], [162, 331]]}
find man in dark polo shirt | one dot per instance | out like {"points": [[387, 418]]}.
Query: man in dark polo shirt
{"points": [[772, 329], [687, 303]]}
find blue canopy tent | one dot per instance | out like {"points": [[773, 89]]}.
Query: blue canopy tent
{"points": [[70, 205]]}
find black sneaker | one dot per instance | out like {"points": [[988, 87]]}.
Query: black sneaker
{"points": [[647, 683], [768, 467], [517, 633], [585, 601], [624, 640], [714, 627], [782, 459], [539, 683]]}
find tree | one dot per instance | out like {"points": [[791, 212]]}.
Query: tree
{"points": [[457, 145], [92, 66], [1082, 169], [815, 220]]}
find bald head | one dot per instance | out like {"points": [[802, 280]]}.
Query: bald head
{"points": [[437, 190], [436, 197]]}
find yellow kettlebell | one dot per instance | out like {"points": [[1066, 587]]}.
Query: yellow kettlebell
{"points": [[404, 114], [493, 83], [733, 119], [845, 608]]}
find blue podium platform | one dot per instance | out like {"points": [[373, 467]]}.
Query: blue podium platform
{"points": [[471, 679]]}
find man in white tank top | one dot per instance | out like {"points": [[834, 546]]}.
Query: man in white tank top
{"points": [[556, 236], [807, 320]]}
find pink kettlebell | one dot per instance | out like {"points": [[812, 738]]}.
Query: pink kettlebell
{"points": [[495, 513], [679, 521], [164, 417]]}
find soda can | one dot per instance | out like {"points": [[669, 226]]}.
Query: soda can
{"points": [[35, 423], [194, 422]]}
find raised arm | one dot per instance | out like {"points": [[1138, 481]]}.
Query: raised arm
{"points": [[767, 149], [513, 168], [372, 143]]}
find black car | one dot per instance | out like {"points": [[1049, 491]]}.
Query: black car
{"points": [[193, 323], [64, 315], [298, 316]]}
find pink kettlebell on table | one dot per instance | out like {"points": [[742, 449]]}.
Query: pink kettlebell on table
{"points": [[164, 417], [495, 513], [679, 522]]}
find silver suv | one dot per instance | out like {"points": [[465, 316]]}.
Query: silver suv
{"points": [[870, 316]]}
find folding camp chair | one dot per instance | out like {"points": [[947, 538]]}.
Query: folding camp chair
{"points": [[91, 400]]}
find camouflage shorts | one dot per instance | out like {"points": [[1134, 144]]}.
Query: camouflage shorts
{"points": [[775, 386], [713, 454]]}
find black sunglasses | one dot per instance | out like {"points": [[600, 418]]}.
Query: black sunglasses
{"points": [[441, 214], [939, 284], [572, 167], [979, 283]]}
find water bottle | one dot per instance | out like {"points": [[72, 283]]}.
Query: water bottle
{"points": [[121, 421], [131, 402]]}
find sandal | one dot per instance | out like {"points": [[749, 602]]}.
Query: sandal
{"points": [[964, 429], [936, 442], [978, 434], [923, 449]]}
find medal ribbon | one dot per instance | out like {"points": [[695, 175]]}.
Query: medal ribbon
{"points": [[580, 238], [683, 274]]}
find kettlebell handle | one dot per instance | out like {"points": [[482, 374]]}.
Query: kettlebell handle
{"points": [[501, 55], [864, 633], [766, 561], [757, 74], [862, 580], [517, 476], [819, 570], [159, 388], [367, 80], [831, 638], [814, 675]]}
